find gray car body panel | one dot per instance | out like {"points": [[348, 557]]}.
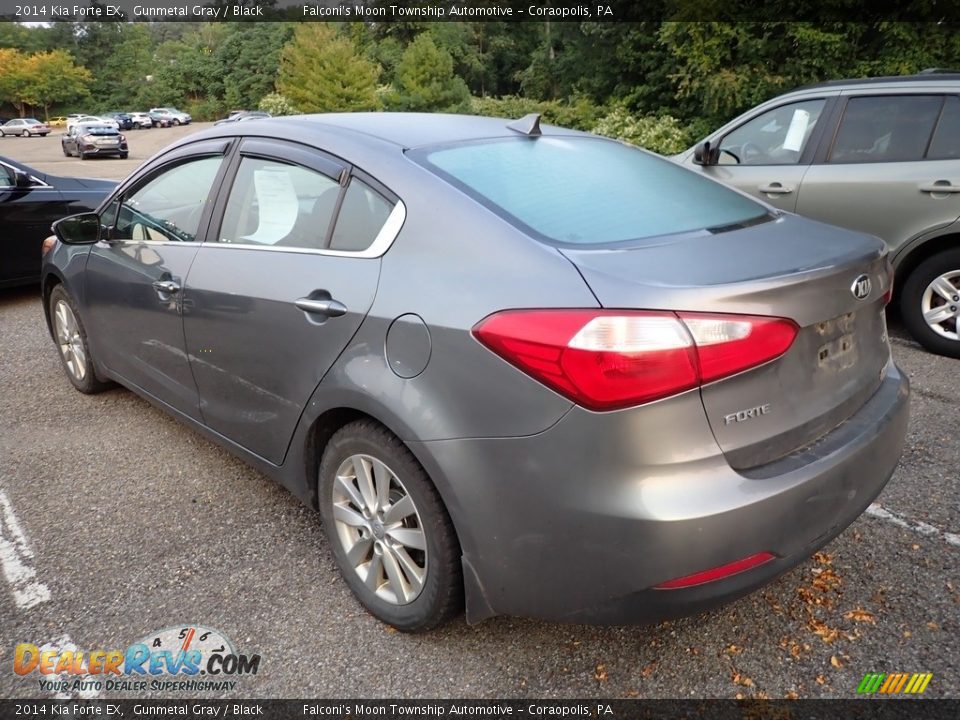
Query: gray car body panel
{"points": [[606, 504]]}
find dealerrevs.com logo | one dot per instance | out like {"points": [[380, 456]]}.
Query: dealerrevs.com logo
{"points": [[185, 658]]}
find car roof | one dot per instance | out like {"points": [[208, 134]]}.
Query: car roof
{"points": [[406, 130], [932, 75]]}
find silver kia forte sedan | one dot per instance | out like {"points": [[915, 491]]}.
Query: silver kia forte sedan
{"points": [[520, 368]]}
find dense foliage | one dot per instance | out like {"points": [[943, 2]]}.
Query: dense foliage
{"points": [[659, 84]]}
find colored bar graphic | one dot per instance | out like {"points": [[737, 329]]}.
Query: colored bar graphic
{"points": [[894, 683]]}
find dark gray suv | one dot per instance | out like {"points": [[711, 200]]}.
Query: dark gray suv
{"points": [[879, 155]]}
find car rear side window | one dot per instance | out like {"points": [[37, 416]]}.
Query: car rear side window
{"points": [[362, 215], [279, 204], [585, 190], [886, 128], [946, 138], [169, 207]]}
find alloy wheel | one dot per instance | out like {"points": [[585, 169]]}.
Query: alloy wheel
{"points": [[380, 530], [69, 341], [940, 305]]}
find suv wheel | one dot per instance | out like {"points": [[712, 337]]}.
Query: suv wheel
{"points": [[930, 303], [388, 529]]}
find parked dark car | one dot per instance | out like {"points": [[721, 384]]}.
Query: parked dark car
{"points": [[29, 202], [555, 374], [87, 140], [160, 119], [124, 120], [243, 115]]}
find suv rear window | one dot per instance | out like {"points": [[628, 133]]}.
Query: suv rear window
{"points": [[584, 190]]}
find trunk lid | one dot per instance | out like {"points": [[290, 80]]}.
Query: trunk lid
{"points": [[788, 267]]}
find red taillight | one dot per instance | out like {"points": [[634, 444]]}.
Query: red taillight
{"points": [[717, 573], [728, 344], [610, 359]]}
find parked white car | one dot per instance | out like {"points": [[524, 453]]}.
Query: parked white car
{"points": [[141, 120], [92, 120]]}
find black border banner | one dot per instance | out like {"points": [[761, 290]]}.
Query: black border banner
{"points": [[873, 709], [479, 10]]}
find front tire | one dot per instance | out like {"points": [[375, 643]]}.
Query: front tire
{"points": [[71, 339], [25, 133], [930, 303], [388, 529]]}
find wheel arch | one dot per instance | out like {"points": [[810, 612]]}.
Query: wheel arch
{"points": [[50, 281], [907, 260]]}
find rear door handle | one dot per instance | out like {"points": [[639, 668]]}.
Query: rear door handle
{"points": [[330, 308], [168, 287], [940, 186], [776, 188]]}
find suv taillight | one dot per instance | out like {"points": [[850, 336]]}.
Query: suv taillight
{"points": [[611, 359]]}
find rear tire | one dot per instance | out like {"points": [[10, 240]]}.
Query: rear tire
{"points": [[81, 154], [65, 152], [388, 529], [71, 339], [123, 156], [930, 303]]}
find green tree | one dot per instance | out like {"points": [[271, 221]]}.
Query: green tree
{"points": [[320, 71], [55, 78], [15, 79], [426, 82], [248, 60]]}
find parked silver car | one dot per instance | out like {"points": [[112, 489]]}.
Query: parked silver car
{"points": [[557, 375], [880, 155]]}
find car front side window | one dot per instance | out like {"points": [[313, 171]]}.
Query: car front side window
{"points": [[776, 137], [169, 207]]}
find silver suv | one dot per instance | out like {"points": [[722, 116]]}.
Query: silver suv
{"points": [[880, 155]]}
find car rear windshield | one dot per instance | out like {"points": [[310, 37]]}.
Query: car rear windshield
{"points": [[99, 130], [588, 190]]}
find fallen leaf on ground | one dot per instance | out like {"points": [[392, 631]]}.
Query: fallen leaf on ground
{"points": [[600, 674], [835, 661], [740, 679], [860, 615]]}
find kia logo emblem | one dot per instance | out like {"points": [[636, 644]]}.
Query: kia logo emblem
{"points": [[861, 287]]}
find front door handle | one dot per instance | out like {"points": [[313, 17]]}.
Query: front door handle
{"points": [[167, 287], [776, 188], [330, 308], [940, 186]]}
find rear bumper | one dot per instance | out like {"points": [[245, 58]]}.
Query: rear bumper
{"points": [[579, 523]]}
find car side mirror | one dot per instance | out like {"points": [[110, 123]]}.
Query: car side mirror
{"points": [[22, 179], [82, 229], [705, 154]]}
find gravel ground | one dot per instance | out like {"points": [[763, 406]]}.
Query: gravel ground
{"points": [[137, 523]]}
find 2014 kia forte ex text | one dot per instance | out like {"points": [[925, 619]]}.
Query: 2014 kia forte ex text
{"points": [[521, 367]]}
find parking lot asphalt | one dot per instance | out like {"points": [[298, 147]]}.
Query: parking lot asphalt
{"points": [[121, 522]]}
